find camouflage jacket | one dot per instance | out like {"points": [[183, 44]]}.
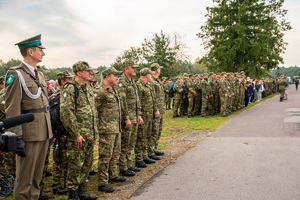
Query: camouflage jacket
{"points": [[83, 120], [147, 97], [160, 95], [205, 88], [191, 88], [223, 87], [130, 102], [177, 93], [109, 110]]}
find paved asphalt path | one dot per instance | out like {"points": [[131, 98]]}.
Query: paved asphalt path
{"points": [[253, 156]]}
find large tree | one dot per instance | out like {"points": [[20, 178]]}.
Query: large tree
{"points": [[244, 35]]}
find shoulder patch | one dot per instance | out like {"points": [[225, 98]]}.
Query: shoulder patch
{"points": [[65, 95], [120, 85], [9, 79]]}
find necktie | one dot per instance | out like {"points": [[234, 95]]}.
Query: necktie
{"points": [[36, 75]]}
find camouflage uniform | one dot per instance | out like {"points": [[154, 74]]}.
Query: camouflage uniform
{"points": [[223, 91], [197, 99], [131, 109], [146, 140], [59, 167], [79, 122], [109, 114], [191, 93], [160, 101], [177, 98], [205, 95], [282, 83]]}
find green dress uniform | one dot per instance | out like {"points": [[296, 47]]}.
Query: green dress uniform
{"points": [[26, 92]]}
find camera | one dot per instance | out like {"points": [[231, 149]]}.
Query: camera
{"points": [[8, 142]]}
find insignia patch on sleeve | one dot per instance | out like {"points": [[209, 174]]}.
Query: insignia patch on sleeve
{"points": [[65, 95], [9, 79]]}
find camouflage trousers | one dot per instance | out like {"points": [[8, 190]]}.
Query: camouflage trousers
{"points": [[9, 163], [128, 140], [191, 105], [204, 111], [157, 129], [223, 105], [145, 140], [59, 167], [176, 106], [197, 104], [79, 163], [109, 153]]}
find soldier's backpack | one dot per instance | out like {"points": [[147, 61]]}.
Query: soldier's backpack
{"points": [[58, 129]]}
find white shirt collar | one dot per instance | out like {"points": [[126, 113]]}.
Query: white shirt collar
{"points": [[30, 68]]}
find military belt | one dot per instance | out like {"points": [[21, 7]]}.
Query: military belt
{"points": [[38, 110]]}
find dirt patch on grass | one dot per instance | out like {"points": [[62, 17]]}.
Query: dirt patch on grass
{"points": [[175, 148]]}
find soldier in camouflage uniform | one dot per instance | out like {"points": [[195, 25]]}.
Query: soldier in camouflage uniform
{"points": [[197, 96], [109, 115], [131, 117], [223, 91], [59, 167], [282, 83], [205, 95], [160, 100], [191, 93], [211, 85], [80, 120], [145, 139], [177, 88]]}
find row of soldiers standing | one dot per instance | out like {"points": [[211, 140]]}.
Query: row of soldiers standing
{"points": [[210, 94], [124, 114]]}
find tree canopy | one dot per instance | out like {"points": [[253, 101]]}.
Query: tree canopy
{"points": [[244, 35]]}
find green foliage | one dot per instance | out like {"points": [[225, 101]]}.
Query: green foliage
{"points": [[4, 66], [164, 49], [291, 71], [244, 35]]}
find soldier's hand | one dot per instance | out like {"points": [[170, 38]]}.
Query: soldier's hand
{"points": [[63, 138], [140, 120], [156, 114], [78, 142], [127, 123], [20, 147]]}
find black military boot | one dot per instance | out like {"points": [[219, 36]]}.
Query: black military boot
{"points": [[83, 195], [73, 195]]}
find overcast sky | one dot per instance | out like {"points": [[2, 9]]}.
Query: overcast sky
{"points": [[99, 31]]}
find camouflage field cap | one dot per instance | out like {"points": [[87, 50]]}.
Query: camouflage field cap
{"points": [[222, 73], [155, 66], [31, 42], [110, 71], [129, 63], [63, 75], [205, 74], [2, 79], [145, 71], [80, 66], [95, 71]]}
